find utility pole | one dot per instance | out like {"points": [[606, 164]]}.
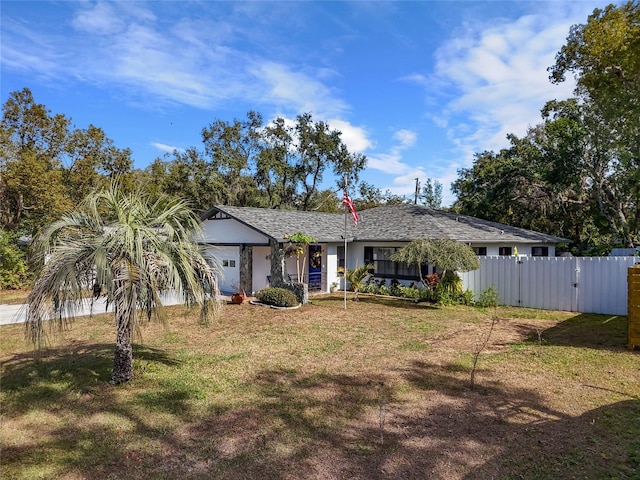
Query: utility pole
{"points": [[415, 199]]}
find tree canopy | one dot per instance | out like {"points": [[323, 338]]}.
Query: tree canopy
{"points": [[446, 254], [246, 162], [47, 166], [604, 56]]}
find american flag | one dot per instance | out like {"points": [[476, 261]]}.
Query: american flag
{"points": [[347, 201]]}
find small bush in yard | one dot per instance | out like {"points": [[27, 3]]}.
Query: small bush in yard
{"points": [[466, 298], [278, 297], [489, 298]]}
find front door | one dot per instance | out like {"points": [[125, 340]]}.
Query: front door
{"points": [[315, 267]]}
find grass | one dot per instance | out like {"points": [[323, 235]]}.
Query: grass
{"points": [[380, 390], [13, 297]]}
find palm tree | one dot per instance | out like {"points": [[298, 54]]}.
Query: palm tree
{"points": [[129, 249], [356, 276]]}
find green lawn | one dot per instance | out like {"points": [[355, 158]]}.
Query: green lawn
{"points": [[381, 390]]}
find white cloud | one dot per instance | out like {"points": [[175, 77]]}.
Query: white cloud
{"points": [[355, 138], [100, 19], [287, 88], [166, 148], [387, 162], [27, 50], [195, 61], [407, 138], [496, 77], [416, 78], [391, 162]]}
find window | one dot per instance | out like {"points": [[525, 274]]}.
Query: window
{"points": [[340, 253], [504, 251], [229, 263], [480, 250], [539, 251], [385, 267]]}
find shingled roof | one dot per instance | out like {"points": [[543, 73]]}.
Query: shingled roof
{"points": [[401, 223]]}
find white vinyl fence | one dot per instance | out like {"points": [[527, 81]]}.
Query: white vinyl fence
{"points": [[576, 284]]}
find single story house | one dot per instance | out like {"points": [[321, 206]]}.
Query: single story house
{"points": [[246, 240]]}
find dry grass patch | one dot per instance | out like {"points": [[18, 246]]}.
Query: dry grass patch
{"points": [[380, 390], [13, 297]]}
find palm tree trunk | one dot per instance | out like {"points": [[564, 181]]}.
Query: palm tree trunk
{"points": [[123, 355]]}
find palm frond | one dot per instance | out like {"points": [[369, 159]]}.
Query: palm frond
{"points": [[133, 249]]}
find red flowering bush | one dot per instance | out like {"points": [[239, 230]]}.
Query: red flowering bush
{"points": [[431, 280]]}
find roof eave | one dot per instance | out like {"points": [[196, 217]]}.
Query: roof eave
{"points": [[209, 213]]}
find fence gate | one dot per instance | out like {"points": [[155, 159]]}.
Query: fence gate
{"points": [[633, 309]]}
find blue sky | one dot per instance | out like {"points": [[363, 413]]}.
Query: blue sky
{"points": [[418, 87]]}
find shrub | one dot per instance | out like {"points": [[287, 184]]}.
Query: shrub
{"points": [[489, 298], [358, 276], [408, 292], [426, 294], [13, 266], [369, 288], [451, 283], [394, 288], [444, 297], [466, 298], [278, 297]]}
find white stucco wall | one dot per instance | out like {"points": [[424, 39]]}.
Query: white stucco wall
{"points": [[230, 231], [233, 233], [355, 252], [261, 268], [228, 261]]}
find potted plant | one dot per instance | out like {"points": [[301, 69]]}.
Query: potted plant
{"points": [[238, 297], [333, 287]]}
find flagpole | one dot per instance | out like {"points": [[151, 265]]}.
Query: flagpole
{"points": [[348, 203], [345, 257], [344, 276]]}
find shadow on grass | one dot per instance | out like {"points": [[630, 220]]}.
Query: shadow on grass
{"points": [[320, 425], [342, 426], [81, 420], [589, 330], [50, 375]]}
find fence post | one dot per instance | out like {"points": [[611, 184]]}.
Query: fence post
{"points": [[576, 284], [633, 308]]}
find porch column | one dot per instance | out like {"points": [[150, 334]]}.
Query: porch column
{"points": [[246, 268], [277, 263]]}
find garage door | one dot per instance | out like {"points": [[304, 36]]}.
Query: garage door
{"points": [[229, 261]]}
